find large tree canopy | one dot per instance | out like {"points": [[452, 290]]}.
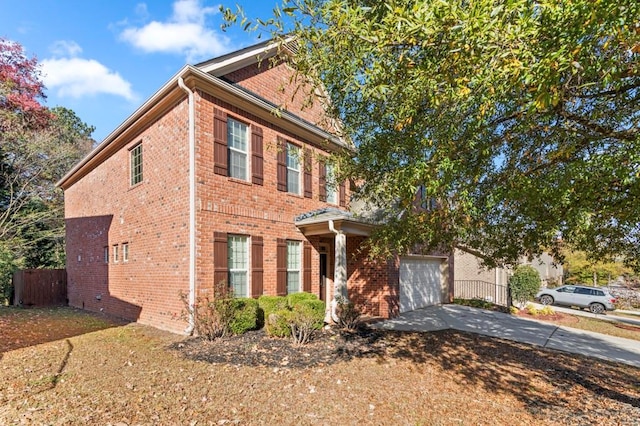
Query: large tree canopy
{"points": [[520, 119], [38, 146]]}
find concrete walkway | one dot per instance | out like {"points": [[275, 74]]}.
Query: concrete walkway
{"points": [[505, 326]]}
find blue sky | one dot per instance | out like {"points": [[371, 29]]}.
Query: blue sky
{"points": [[104, 58]]}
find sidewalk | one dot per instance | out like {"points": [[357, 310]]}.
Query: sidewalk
{"points": [[505, 326]]}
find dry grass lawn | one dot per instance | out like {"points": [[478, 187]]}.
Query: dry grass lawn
{"points": [[132, 374]]}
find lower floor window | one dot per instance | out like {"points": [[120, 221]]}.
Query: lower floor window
{"points": [[238, 261], [293, 266]]}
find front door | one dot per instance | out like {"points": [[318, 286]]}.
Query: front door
{"points": [[323, 276]]}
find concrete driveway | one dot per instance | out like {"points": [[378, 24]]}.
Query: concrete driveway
{"points": [[505, 326]]}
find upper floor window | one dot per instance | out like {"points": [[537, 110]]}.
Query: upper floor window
{"points": [[106, 255], [238, 143], [238, 262], [293, 168], [136, 164], [331, 185], [237, 149], [116, 256]]}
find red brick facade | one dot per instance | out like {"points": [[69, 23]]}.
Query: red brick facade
{"points": [[152, 218]]}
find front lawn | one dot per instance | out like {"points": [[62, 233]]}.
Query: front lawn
{"points": [[139, 375]]}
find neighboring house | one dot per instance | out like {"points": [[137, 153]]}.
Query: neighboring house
{"points": [[207, 183], [473, 280]]}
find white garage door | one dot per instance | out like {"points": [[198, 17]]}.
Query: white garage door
{"points": [[420, 283]]}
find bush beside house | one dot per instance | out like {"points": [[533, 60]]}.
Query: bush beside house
{"points": [[524, 284]]}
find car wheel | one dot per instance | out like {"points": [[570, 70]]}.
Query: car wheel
{"points": [[546, 300], [596, 308]]}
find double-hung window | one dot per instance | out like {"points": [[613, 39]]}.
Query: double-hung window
{"points": [[238, 144], [135, 164], [238, 263], [293, 168], [331, 185], [293, 266]]}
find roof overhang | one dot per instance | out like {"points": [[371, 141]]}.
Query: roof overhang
{"points": [[231, 62], [327, 221]]}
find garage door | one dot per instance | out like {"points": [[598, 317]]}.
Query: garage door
{"points": [[420, 283]]}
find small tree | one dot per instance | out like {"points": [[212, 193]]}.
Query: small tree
{"points": [[524, 284]]}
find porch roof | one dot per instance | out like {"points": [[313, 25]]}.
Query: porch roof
{"points": [[319, 222]]}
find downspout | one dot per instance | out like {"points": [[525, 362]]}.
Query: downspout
{"points": [[192, 207], [339, 293]]}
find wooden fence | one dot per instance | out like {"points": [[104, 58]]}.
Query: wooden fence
{"points": [[475, 289], [40, 287]]}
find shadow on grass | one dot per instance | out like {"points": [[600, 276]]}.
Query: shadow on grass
{"points": [[546, 381], [24, 327], [542, 379]]}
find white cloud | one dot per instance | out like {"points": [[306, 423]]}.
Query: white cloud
{"points": [[184, 33], [77, 77], [66, 48]]}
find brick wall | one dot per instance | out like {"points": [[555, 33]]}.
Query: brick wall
{"points": [[276, 83], [373, 284], [239, 207], [103, 210], [152, 218]]}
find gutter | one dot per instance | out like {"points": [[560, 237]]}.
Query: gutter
{"points": [[192, 207]]}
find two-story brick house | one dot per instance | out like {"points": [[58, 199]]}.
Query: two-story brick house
{"points": [[205, 183]]}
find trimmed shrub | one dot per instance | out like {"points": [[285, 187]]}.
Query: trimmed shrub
{"points": [[297, 320], [223, 315], [277, 323], [294, 298], [316, 308], [271, 304], [245, 316], [306, 317], [524, 284]]}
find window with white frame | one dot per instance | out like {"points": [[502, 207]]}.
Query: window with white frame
{"points": [[293, 266], [106, 254], [331, 185], [293, 168], [125, 252], [238, 264], [116, 256], [238, 143], [135, 164]]}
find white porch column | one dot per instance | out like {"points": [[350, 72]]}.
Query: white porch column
{"points": [[339, 273]]}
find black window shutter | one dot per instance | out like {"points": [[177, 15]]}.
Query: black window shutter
{"points": [[257, 159], [257, 270], [281, 267], [220, 260], [282, 165], [308, 191], [220, 154]]}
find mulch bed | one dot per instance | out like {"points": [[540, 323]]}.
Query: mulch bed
{"points": [[255, 348]]}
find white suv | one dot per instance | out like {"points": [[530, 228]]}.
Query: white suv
{"points": [[597, 299]]}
